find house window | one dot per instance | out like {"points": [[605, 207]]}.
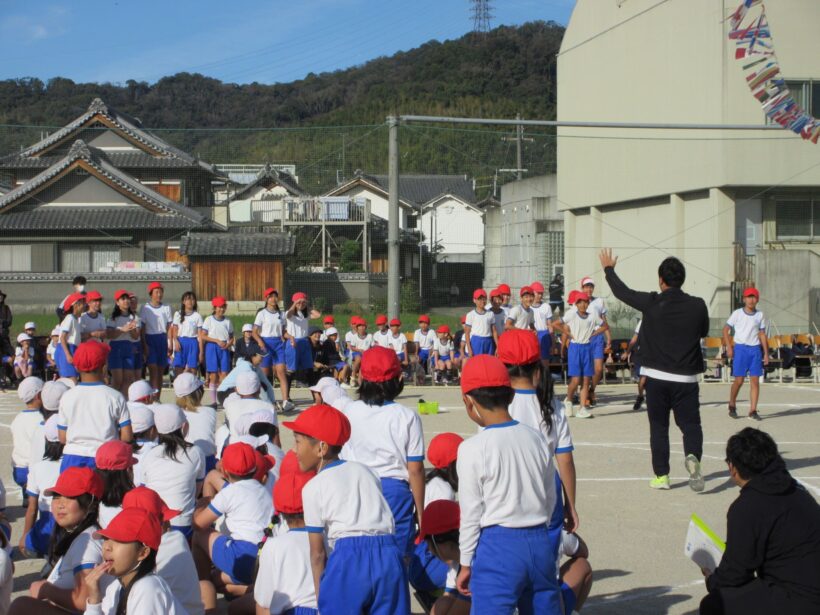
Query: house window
{"points": [[84, 259], [412, 221], [15, 257], [797, 219]]}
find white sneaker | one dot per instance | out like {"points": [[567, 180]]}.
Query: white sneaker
{"points": [[568, 407], [288, 406], [583, 413]]}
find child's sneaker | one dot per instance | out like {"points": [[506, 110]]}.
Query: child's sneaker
{"points": [[568, 407], [754, 416], [732, 412], [583, 413], [660, 482], [696, 482]]}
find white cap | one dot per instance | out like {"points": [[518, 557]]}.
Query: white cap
{"points": [[339, 400], [23, 337], [247, 383], [331, 331], [325, 383], [247, 327], [29, 387], [30, 325], [186, 383], [67, 381], [50, 430], [140, 389], [142, 416], [52, 393], [244, 421], [586, 281], [168, 418], [56, 331], [254, 441]]}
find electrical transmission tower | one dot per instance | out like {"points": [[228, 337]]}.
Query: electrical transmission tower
{"points": [[481, 15]]}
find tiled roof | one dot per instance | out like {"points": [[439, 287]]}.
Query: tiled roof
{"points": [[421, 189], [237, 244], [266, 177], [89, 219], [122, 160]]}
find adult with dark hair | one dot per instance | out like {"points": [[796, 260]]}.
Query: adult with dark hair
{"points": [[6, 319], [78, 284], [671, 358], [772, 558]]}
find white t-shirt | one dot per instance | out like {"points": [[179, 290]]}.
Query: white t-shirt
{"points": [[380, 338], [91, 414], [499, 319], [121, 321], [175, 565], [284, 564], [71, 327], [384, 438], [360, 344], [41, 476], [145, 446], [156, 320], [747, 326], [345, 499], [50, 350], [396, 342], [216, 329], [150, 594], [18, 354], [597, 307], [438, 489], [297, 325], [526, 409], [6, 581], [443, 348], [23, 428], [505, 477], [247, 507], [190, 326], [424, 340], [106, 514], [202, 429], [480, 324], [581, 328], [37, 447], [83, 554], [89, 324], [523, 318], [175, 481], [269, 323], [349, 337], [237, 406], [542, 315]]}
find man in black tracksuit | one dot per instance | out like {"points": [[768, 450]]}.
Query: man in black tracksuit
{"points": [[672, 326], [772, 558]]}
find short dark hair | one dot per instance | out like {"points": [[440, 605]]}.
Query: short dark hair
{"points": [[751, 451], [376, 393], [672, 272], [493, 398], [80, 279]]}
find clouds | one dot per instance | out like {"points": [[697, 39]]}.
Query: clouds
{"points": [[31, 28]]}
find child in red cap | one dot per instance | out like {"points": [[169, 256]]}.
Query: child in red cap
{"points": [[507, 494], [359, 344], [423, 339], [91, 413], [441, 520], [189, 353], [365, 572], [749, 352], [123, 330], [298, 355], [218, 337], [387, 437], [269, 333], [70, 335], [156, 318], [397, 341], [522, 315], [480, 335], [498, 312], [114, 461], [382, 331], [443, 351], [92, 322], [542, 313]]}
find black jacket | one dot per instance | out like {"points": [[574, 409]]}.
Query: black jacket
{"points": [[773, 532], [672, 326]]}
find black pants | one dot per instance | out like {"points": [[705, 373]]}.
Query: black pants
{"points": [[683, 399], [754, 598]]}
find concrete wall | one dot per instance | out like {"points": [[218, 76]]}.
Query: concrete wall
{"points": [[455, 227], [786, 279], [336, 288]]}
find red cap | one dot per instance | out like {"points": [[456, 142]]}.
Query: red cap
{"points": [[526, 290], [287, 492], [324, 423], [121, 293], [90, 356], [93, 295], [495, 293], [290, 464], [329, 320], [579, 296], [268, 292], [443, 449], [518, 347], [239, 459], [380, 364], [443, 329], [424, 318], [751, 292], [148, 500], [484, 371], [71, 300], [115, 455], [464, 320], [74, 482], [537, 287], [153, 286], [440, 517], [571, 297], [381, 319], [358, 321], [504, 289], [479, 292], [133, 525], [264, 464], [298, 297], [395, 323], [219, 301]]}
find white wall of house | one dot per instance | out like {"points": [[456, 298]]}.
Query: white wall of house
{"points": [[379, 205], [240, 210], [454, 226]]}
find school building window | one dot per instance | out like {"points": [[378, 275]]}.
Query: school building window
{"points": [[806, 93], [797, 219], [83, 259], [15, 257]]}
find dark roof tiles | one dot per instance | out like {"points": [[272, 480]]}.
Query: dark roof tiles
{"points": [[238, 244]]}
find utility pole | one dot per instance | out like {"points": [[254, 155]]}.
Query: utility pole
{"points": [[393, 255], [519, 148]]}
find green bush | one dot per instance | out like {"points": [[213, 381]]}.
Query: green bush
{"points": [[409, 299]]}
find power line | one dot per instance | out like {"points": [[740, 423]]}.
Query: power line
{"points": [[481, 12]]}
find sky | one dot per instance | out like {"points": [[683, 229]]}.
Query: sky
{"points": [[237, 41]]}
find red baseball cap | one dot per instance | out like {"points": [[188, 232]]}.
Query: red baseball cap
{"points": [[381, 319], [115, 455], [484, 371], [153, 286], [71, 300], [324, 423], [239, 459], [93, 295], [298, 297], [287, 492], [504, 289], [395, 323], [751, 292], [440, 517], [464, 320], [571, 297], [133, 525], [579, 296], [359, 322], [148, 500], [268, 292], [443, 329], [264, 464], [479, 292], [74, 482], [121, 293], [90, 356], [495, 293], [380, 364], [424, 318], [290, 464], [537, 287], [518, 347], [526, 290], [329, 320], [443, 449], [219, 301]]}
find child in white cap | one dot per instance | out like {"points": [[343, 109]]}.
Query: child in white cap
{"points": [[50, 398], [245, 401], [23, 426], [23, 356], [329, 391], [51, 364], [142, 423], [189, 390]]}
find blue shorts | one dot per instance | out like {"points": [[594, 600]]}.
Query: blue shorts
{"points": [[185, 530], [188, 355], [427, 572], [298, 357], [340, 366], [301, 610], [210, 463], [482, 345], [579, 361], [217, 359], [276, 352], [365, 574], [20, 476], [597, 345], [748, 361], [77, 461], [515, 567], [444, 357], [121, 355], [355, 355], [400, 499], [400, 356], [157, 349], [424, 355], [236, 558], [139, 360], [38, 538], [545, 343], [64, 368], [569, 598]]}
